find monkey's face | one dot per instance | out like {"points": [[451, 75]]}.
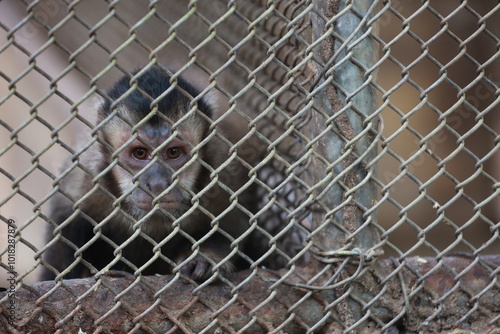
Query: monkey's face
{"points": [[156, 169], [157, 166]]}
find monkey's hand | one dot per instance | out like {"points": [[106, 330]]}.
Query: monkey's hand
{"points": [[200, 267]]}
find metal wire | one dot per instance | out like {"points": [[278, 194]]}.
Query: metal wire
{"points": [[305, 85]]}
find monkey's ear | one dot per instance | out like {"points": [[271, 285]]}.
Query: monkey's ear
{"points": [[89, 107], [216, 101], [98, 105]]}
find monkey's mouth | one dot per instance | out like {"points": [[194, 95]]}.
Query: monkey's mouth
{"points": [[164, 204]]}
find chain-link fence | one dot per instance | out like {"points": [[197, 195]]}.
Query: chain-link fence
{"points": [[337, 161]]}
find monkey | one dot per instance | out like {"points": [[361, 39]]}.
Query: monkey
{"points": [[149, 194]]}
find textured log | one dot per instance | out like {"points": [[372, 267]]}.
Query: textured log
{"points": [[433, 296]]}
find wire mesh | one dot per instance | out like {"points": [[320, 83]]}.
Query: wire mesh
{"points": [[361, 130]]}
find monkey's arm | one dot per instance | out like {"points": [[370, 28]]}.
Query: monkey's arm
{"points": [[70, 233], [61, 253]]}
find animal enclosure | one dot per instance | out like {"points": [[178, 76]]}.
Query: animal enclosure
{"points": [[359, 141]]}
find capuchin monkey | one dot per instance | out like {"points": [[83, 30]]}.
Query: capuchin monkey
{"points": [[145, 195]]}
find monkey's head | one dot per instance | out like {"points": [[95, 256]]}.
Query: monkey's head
{"points": [[152, 133]]}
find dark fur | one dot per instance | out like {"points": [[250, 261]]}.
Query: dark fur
{"points": [[77, 233], [154, 83]]}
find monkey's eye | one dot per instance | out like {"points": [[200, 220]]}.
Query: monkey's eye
{"points": [[140, 153], [174, 153]]}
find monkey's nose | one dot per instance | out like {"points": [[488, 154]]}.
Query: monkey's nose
{"points": [[156, 179], [157, 185]]}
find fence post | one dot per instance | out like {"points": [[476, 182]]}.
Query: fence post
{"points": [[344, 129]]}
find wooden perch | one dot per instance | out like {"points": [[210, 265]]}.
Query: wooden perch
{"points": [[420, 294]]}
